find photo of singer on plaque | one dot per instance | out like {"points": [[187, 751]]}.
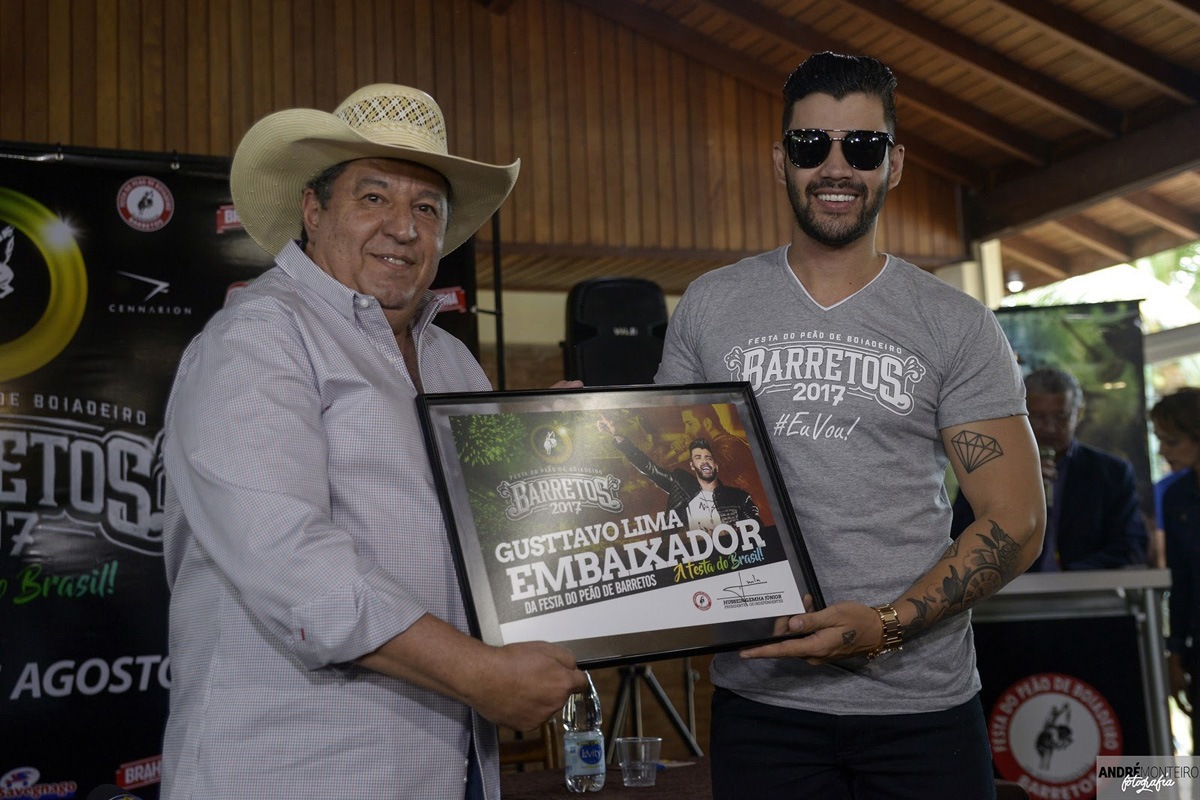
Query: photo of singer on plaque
{"points": [[627, 524]]}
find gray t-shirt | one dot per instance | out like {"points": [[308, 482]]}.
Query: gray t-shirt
{"points": [[854, 397]]}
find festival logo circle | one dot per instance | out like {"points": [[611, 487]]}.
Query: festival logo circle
{"points": [[702, 601], [1047, 730], [145, 203], [33, 239], [552, 443]]}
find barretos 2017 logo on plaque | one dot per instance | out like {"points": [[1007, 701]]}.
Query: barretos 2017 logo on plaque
{"points": [[1047, 730], [145, 203], [43, 285]]}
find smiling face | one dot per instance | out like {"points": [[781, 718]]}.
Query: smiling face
{"points": [[835, 204], [704, 465], [381, 232]]}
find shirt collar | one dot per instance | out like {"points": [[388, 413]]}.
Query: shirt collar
{"points": [[296, 263]]}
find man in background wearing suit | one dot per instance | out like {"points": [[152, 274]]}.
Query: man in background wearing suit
{"points": [[1092, 519]]}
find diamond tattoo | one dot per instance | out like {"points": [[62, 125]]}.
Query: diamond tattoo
{"points": [[974, 449]]}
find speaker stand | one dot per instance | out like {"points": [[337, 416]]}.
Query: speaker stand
{"points": [[628, 693]]}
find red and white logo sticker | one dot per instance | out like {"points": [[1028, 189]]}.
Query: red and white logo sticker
{"points": [[1047, 730], [228, 219], [454, 298], [145, 203], [143, 772], [702, 601]]}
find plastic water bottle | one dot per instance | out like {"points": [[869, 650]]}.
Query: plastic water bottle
{"points": [[583, 741]]}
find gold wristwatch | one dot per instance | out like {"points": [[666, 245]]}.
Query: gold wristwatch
{"points": [[893, 635]]}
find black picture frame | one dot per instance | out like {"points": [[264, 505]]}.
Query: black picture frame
{"points": [[566, 532]]}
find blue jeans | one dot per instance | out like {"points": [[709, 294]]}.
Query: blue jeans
{"points": [[768, 751]]}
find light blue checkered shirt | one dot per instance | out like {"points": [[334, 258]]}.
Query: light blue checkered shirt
{"points": [[303, 530]]}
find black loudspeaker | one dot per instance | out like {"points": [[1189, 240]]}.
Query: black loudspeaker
{"points": [[615, 331]]}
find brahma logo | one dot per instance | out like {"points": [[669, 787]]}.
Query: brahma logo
{"points": [[145, 203], [228, 219], [1047, 730], [454, 298], [143, 772]]}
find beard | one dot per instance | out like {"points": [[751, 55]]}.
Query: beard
{"points": [[840, 232]]}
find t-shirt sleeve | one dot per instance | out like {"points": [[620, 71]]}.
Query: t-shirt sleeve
{"points": [[983, 380], [681, 361]]}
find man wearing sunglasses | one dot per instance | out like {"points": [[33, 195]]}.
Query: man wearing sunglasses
{"points": [[871, 375]]}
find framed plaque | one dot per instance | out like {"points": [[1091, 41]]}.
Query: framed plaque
{"points": [[624, 523]]}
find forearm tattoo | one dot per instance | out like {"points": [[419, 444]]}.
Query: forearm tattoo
{"points": [[990, 563], [975, 449]]}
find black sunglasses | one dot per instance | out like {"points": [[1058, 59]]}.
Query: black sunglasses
{"points": [[864, 150]]}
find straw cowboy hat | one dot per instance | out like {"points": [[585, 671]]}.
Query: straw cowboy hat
{"points": [[283, 151]]}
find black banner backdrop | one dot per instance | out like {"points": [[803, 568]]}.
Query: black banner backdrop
{"points": [[1054, 699], [109, 264], [1101, 345]]}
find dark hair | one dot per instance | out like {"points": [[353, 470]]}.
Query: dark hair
{"points": [[840, 75], [1055, 381], [699, 444], [1179, 412], [705, 413], [322, 186]]}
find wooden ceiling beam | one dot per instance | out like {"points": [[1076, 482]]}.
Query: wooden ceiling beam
{"points": [[1094, 236], [1171, 79], [587, 252], [671, 33], [1035, 254], [497, 7], [1132, 163], [1056, 97], [1164, 214], [943, 162], [1140, 247], [949, 109], [1188, 9]]}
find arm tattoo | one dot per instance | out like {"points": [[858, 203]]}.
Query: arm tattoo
{"points": [[975, 449], [989, 565], [848, 637]]}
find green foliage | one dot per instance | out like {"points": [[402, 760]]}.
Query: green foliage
{"points": [[484, 439], [1178, 268]]}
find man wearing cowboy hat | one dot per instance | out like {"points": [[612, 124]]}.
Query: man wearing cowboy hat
{"points": [[317, 632]]}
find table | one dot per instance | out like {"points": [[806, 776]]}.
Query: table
{"points": [[1135, 593], [690, 781]]}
